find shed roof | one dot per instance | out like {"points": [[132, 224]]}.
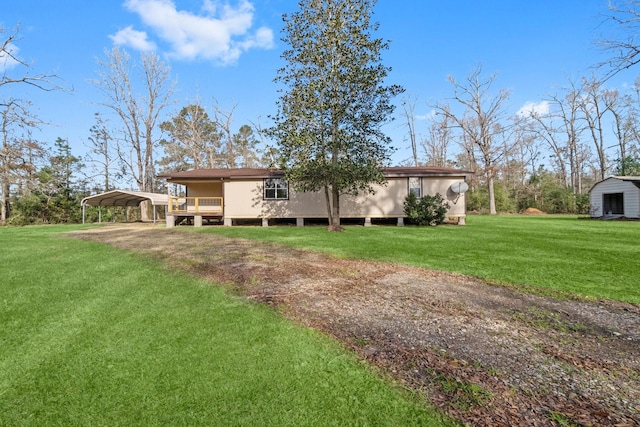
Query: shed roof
{"points": [[125, 198], [628, 178], [633, 179], [257, 173]]}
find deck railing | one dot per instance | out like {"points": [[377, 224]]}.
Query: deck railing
{"points": [[195, 205]]}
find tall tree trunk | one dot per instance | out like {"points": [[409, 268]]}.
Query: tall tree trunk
{"points": [[327, 198], [334, 225], [4, 203], [492, 196]]}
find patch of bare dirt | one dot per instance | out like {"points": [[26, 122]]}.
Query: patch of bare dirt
{"points": [[532, 211], [488, 355]]}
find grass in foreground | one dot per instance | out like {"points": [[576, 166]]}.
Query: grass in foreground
{"points": [[91, 335], [591, 258]]}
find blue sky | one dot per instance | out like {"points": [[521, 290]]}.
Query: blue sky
{"points": [[231, 50]]}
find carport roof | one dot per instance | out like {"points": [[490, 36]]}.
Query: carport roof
{"points": [[125, 198]]}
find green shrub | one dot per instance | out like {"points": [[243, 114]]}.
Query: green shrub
{"points": [[427, 210]]}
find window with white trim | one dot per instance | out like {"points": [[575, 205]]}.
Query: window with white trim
{"points": [[276, 189], [415, 186]]}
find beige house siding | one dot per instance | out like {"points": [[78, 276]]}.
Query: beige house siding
{"points": [[242, 193], [611, 185], [205, 189], [244, 199]]}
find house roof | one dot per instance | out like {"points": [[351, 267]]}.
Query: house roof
{"points": [[125, 198], [237, 173], [406, 171], [248, 173]]}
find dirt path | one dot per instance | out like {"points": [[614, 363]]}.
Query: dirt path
{"points": [[488, 355]]}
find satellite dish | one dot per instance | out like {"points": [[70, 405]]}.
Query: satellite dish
{"points": [[459, 187]]}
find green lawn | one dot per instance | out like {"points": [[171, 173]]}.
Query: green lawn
{"points": [[592, 258], [92, 335]]}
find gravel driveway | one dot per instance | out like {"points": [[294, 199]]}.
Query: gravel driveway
{"points": [[488, 355]]}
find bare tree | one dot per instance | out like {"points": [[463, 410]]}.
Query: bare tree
{"points": [[10, 59], [439, 137], [624, 124], [622, 45], [138, 111], [561, 129], [269, 153], [625, 109], [101, 153], [223, 120], [408, 108], [545, 128], [527, 149], [595, 103], [481, 122], [17, 147], [18, 152]]}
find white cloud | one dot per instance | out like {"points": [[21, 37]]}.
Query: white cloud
{"points": [[7, 60], [427, 116], [209, 6], [136, 39], [529, 108], [221, 33]]}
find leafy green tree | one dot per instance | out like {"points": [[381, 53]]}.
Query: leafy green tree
{"points": [[58, 190], [194, 140], [246, 146], [628, 166], [328, 124], [29, 208]]}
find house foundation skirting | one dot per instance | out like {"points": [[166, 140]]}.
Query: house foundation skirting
{"points": [[191, 219], [199, 220], [312, 221]]}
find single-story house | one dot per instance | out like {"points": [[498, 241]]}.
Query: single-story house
{"points": [[234, 195], [616, 196]]}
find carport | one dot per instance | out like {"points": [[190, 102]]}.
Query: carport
{"points": [[124, 198]]}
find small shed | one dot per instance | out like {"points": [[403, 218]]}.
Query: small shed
{"points": [[124, 198], [616, 197]]}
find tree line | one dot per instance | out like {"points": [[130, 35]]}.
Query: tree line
{"points": [[127, 146], [326, 133], [545, 156]]}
